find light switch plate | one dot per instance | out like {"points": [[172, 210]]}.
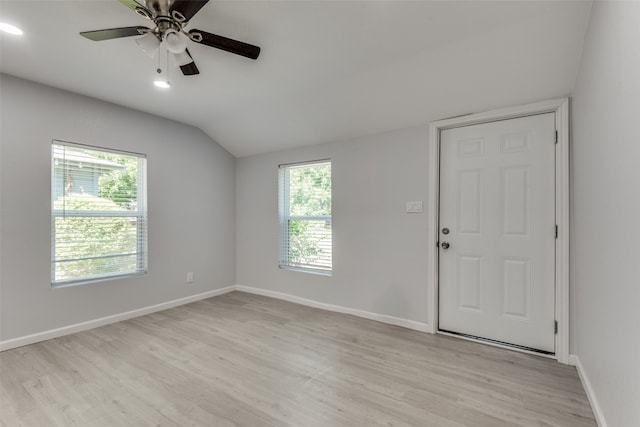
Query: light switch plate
{"points": [[414, 207]]}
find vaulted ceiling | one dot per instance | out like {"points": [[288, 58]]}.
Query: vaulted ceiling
{"points": [[329, 70]]}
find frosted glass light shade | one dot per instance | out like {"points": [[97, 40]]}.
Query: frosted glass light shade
{"points": [[176, 41]]}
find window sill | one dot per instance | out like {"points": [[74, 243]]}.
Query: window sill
{"points": [[95, 280], [308, 271]]}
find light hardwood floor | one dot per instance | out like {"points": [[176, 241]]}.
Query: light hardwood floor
{"points": [[246, 360]]}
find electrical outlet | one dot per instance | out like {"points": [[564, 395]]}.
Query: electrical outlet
{"points": [[190, 277]]}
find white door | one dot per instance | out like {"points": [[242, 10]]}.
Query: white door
{"points": [[497, 231]]}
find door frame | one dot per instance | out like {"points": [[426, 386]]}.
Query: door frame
{"points": [[560, 107]]}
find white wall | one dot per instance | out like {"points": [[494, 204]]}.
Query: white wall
{"points": [[379, 250], [606, 211], [191, 196]]}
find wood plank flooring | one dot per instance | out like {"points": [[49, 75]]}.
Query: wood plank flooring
{"points": [[247, 360]]}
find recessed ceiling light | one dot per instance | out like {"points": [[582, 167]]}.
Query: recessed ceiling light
{"points": [[164, 84], [11, 29]]}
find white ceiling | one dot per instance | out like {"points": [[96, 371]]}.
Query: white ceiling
{"points": [[329, 70]]}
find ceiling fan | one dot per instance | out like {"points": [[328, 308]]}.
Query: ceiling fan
{"points": [[170, 18]]}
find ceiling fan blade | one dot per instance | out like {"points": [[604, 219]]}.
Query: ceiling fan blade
{"points": [[114, 33], [189, 69], [131, 4], [188, 8], [139, 8], [230, 45]]}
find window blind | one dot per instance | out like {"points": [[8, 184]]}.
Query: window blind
{"points": [[305, 216], [98, 214]]}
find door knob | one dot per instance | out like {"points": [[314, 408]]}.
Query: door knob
{"points": [[445, 245]]}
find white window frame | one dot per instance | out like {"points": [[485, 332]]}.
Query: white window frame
{"points": [[140, 214], [284, 217]]}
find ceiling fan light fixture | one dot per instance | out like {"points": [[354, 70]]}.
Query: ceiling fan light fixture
{"points": [[163, 84], [11, 29], [149, 43], [170, 18], [176, 41]]}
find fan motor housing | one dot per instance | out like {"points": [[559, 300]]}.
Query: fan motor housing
{"points": [[159, 7]]}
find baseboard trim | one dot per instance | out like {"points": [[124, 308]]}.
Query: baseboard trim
{"points": [[391, 320], [83, 326], [574, 360], [95, 323]]}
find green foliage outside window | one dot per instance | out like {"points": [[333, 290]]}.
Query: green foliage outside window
{"points": [[310, 196], [98, 228], [120, 186], [86, 244]]}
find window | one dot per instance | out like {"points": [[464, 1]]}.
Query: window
{"points": [[98, 214], [305, 216]]}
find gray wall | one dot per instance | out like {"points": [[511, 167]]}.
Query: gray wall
{"points": [[191, 195], [379, 251], [606, 211]]}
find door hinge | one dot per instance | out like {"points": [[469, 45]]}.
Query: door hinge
{"points": [[556, 137], [556, 231], [555, 327]]}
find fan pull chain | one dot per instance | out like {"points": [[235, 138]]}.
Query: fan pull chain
{"points": [[159, 69], [166, 64], [162, 79]]}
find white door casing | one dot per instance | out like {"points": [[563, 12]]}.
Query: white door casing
{"points": [[497, 231], [560, 109]]}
